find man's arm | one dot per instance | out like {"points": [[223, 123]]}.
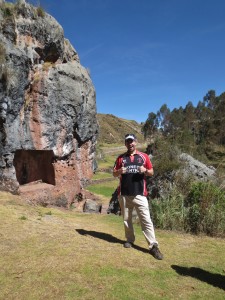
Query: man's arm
{"points": [[147, 168], [149, 172], [146, 171], [116, 173], [119, 168], [120, 171]]}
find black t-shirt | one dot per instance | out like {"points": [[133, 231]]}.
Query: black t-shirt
{"points": [[133, 183]]}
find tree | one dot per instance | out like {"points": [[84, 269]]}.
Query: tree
{"points": [[163, 117], [150, 126], [210, 99]]}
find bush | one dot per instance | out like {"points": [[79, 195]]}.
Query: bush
{"points": [[205, 209], [40, 12], [7, 10], [201, 211], [168, 213], [165, 156]]}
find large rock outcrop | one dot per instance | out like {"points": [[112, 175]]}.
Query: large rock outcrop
{"points": [[48, 125], [196, 168]]}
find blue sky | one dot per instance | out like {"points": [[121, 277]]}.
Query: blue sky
{"points": [[144, 53]]}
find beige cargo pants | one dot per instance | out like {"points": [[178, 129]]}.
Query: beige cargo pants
{"points": [[140, 203]]}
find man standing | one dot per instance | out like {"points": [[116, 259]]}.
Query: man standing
{"points": [[132, 167]]}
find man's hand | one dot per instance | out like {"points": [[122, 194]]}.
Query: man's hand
{"points": [[120, 171], [142, 169], [123, 169]]}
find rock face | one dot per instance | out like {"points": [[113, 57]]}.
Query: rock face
{"points": [[194, 167], [48, 125]]}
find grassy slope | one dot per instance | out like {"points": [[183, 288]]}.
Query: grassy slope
{"points": [[56, 254], [113, 129]]}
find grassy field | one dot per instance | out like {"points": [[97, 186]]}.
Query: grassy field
{"points": [[101, 175], [104, 189], [48, 253]]}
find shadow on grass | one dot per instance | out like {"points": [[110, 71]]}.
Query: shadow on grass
{"points": [[108, 237], [216, 280]]}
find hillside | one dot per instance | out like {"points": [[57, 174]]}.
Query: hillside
{"points": [[112, 129]]}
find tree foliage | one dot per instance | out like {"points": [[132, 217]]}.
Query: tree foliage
{"points": [[190, 126], [182, 202]]}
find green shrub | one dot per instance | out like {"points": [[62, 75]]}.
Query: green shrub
{"points": [[205, 209], [165, 157], [40, 12], [166, 164], [168, 213], [183, 183], [201, 211], [7, 10]]}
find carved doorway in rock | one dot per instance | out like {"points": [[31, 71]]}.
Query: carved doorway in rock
{"points": [[34, 165]]}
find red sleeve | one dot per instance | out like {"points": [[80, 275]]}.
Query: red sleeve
{"points": [[118, 163], [148, 163]]}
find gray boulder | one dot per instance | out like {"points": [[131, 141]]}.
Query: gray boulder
{"points": [[91, 206], [196, 168]]}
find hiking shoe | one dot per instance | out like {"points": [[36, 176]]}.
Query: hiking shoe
{"points": [[154, 251], [127, 245]]}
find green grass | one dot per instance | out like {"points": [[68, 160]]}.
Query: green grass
{"points": [[105, 189], [101, 175], [68, 255], [107, 162]]}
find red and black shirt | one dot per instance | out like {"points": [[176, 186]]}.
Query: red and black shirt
{"points": [[132, 183]]}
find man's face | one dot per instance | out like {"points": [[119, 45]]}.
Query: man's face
{"points": [[131, 145]]}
